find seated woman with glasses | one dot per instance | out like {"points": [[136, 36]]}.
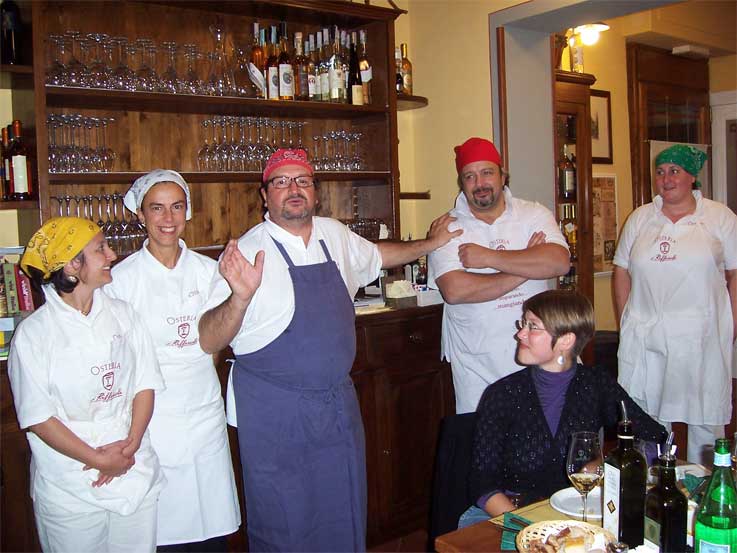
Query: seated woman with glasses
{"points": [[524, 420]]}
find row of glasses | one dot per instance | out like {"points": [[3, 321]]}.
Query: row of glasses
{"points": [[245, 143], [97, 60], [337, 151], [78, 143], [124, 232]]}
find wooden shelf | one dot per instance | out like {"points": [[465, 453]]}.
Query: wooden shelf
{"points": [[18, 69], [414, 195], [126, 177], [26, 204], [406, 102], [91, 98]]}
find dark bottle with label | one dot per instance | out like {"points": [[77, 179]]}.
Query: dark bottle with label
{"points": [[625, 477], [21, 165], [666, 511], [566, 176], [12, 29]]}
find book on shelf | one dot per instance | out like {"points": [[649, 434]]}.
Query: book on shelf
{"points": [[23, 284], [11, 288]]}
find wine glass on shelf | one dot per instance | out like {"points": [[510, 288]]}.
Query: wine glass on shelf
{"points": [[584, 464]]}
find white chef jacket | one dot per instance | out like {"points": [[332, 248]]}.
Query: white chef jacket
{"points": [[85, 371], [478, 338], [188, 428], [272, 306], [675, 350]]}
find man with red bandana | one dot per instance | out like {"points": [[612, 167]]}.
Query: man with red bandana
{"points": [[284, 302], [508, 251]]}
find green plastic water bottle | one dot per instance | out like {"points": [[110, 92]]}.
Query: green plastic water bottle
{"points": [[716, 518]]}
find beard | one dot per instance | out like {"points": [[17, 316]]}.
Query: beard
{"points": [[483, 202], [292, 214]]}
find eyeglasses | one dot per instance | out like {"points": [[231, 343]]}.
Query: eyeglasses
{"points": [[284, 182], [530, 326]]}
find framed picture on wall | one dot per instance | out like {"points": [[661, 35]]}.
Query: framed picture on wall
{"points": [[604, 192], [601, 126]]}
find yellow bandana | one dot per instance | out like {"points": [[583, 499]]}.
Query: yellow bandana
{"points": [[56, 243]]}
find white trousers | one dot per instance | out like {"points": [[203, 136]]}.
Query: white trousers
{"points": [[701, 440], [67, 529]]}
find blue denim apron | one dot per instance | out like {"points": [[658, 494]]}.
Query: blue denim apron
{"points": [[299, 424]]}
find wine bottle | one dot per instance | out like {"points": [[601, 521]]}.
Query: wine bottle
{"points": [[716, 517], [272, 67], [666, 511], [569, 228], [398, 70], [301, 69], [256, 63], [12, 29], [355, 83], [5, 168], [566, 176], [325, 66], [286, 70], [20, 166], [366, 69], [406, 71], [313, 70], [625, 477], [336, 73]]}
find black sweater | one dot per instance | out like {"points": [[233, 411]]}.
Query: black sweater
{"points": [[513, 447]]}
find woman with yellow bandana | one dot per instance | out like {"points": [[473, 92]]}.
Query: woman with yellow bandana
{"points": [[83, 372], [675, 287]]}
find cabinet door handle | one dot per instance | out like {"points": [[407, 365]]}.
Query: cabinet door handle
{"points": [[416, 337], [387, 452]]}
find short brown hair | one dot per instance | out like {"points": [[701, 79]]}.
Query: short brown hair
{"points": [[563, 311]]}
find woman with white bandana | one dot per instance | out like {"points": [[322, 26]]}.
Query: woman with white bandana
{"points": [[83, 373], [675, 288], [168, 284]]}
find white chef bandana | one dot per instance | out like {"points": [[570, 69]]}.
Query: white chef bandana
{"points": [[134, 197]]}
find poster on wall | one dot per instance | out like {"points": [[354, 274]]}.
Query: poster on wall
{"points": [[605, 221]]}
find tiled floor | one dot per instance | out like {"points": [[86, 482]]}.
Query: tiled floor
{"points": [[415, 542]]}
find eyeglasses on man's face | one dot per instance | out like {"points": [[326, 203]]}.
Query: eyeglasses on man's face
{"points": [[302, 181], [529, 325]]}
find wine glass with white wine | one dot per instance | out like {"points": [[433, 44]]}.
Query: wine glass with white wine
{"points": [[584, 464]]}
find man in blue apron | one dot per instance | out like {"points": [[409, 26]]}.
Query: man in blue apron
{"points": [[283, 301]]}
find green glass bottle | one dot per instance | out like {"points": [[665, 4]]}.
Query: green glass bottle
{"points": [[716, 518]]}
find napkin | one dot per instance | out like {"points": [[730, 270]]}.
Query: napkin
{"points": [[509, 538], [691, 482]]}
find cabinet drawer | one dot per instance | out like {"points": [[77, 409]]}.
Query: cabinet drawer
{"points": [[403, 339]]}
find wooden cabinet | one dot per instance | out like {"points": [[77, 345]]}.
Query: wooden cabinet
{"points": [[404, 390], [152, 130]]}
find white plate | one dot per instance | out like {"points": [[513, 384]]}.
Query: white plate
{"points": [[568, 501]]}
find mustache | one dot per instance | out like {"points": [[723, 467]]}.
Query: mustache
{"points": [[294, 196]]}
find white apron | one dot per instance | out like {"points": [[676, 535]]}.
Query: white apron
{"points": [[101, 373], [188, 428], [675, 350]]}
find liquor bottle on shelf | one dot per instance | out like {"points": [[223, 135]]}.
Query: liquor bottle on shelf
{"points": [[301, 69], [364, 64], [325, 66], [666, 510], [256, 63], [569, 227], [355, 83], [272, 67], [716, 517], [336, 73], [313, 70], [406, 71], [625, 478], [5, 166], [345, 51], [12, 29], [21, 164], [286, 70], [566, 176], [398, 70]]}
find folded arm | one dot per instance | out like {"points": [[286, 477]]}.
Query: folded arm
{"points": [[464, 287], [219, 325], [540, 261]]}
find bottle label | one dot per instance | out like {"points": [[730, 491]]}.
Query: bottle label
{"points": [[257, 78], [707, 547], [286, 80], [20, 175], [407, 81], [366, 75], [720, 459], [325, 86], [357, 95], [569, 184], [610, 508], [337, 83], [273, 83], [652, 534], [312, 82]]}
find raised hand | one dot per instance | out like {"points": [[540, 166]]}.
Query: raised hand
{"points": [[439, 233], [243, 277]]}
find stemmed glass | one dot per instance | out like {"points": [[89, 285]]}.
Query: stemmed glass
{"points": [[584, 464], [56, 73]]}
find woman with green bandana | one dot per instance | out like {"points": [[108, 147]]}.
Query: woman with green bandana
{"points": [[675, 290]]}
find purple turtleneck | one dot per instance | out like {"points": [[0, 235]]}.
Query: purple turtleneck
{"points": [[551, 390]]}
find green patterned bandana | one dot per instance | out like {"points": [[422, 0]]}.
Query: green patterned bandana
{"points": [[690, 158]]}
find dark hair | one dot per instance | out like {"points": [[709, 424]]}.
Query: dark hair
{"points": [[563, 311], [61, 282]]}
